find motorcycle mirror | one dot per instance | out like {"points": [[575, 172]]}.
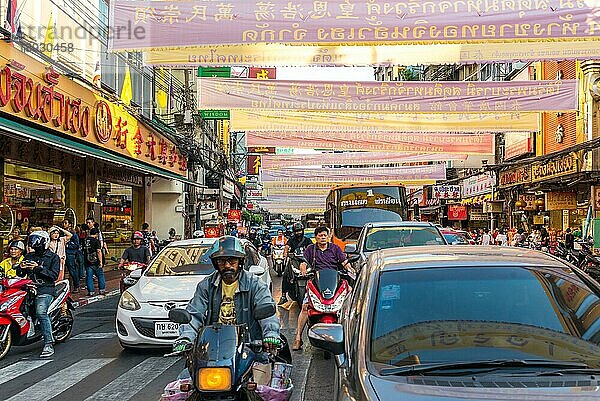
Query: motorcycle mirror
{"points": [[179, 315], [263, 311], [350, 248]]}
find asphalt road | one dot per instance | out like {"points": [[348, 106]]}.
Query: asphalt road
{"points": [[91, 365]]}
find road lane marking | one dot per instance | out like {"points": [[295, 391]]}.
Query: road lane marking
{"points": [[93, 336], [19, 368], [61, 380], [130, 383]]}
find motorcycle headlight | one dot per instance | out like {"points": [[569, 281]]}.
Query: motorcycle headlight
{"points": [[214, 379], [128, 302]]}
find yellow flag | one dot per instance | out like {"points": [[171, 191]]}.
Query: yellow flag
{"points": [[127, 91], [49, 39], [161, 93]]}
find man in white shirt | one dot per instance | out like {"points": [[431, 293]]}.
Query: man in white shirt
{"points": [[486, 238]]}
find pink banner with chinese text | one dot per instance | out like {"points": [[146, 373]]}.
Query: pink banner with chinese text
{"points": [[143, 24], [389, 97]]}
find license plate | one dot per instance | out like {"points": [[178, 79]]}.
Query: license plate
{"points": [[166, 329]]}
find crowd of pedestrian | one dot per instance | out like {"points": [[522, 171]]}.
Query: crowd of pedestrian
{"points": [[505, 236]]}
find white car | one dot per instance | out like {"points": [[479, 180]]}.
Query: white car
{"points": [[170, 282]]}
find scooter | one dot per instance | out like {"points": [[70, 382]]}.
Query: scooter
{"points": [[299, 281], [220, 361], [265, 247], [278, 259], [18, 324], [133, 272]]}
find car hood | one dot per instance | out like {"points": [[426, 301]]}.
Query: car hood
{"points": [[394, 388], [170, 288]]}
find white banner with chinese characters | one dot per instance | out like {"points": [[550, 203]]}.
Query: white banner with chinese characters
{"points": [[478, 184], [446, 191]]}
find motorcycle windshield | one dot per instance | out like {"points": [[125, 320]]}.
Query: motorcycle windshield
{"points": [[217, 343], [326, 282]]}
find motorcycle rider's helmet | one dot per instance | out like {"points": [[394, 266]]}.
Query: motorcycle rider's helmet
{"points": [[137, 235], [226, 247], [297, 227], [17, 244], [198, 234], [38, 241]]}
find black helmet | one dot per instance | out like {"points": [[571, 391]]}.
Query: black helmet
{"points": [[38, 241], [226, 247], [297, 227]]}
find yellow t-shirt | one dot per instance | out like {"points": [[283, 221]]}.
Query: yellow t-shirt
{"points": [[227, 310], [7, 267]]}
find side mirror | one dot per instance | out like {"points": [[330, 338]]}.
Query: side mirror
{"points": [[350, 248], [257, 270], [264, 311], [328, 337], [179, 315], [136, 274], [353, 258]]}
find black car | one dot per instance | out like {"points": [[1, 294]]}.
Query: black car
{"points": [[460, 323]]}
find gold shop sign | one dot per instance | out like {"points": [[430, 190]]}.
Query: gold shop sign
{"points": [[37, 94], [561, 200], [553, 168], [514, 176]]}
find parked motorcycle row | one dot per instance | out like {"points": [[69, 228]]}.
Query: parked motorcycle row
{"points": [[584, 258]]}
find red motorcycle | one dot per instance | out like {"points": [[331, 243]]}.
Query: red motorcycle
{"points": [[326, 294], [133, 272], [18, 324]]}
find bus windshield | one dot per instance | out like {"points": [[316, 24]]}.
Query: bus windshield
{"points": [[356, 206]]}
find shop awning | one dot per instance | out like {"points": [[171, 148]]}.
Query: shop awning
{"points": [[84, 150]]}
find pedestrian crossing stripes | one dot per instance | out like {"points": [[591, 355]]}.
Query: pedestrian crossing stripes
{"points": [[128, 384], [18, 369], [60, 381]]}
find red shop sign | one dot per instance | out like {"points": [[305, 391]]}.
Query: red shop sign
{"points": [[457, 212], [234, 215]]}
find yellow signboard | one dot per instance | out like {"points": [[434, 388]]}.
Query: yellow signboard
{"points": [[281, 55], [304, 121], [561, 200], [37, 94]]}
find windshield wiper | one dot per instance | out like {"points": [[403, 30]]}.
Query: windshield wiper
{"points": [[497, 363]]}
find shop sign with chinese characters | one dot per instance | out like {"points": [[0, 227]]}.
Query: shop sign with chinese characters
{"points": [[561, 200], [514, 176], [478, 184], [446, 191], [234, 215], [529, 200], [553, 168], [38, 94]]}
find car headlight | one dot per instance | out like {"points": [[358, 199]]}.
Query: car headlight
{"points": [[214, 379], [128, 302]]}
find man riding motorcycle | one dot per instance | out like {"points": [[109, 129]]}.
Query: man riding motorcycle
{"points": [[42, 267], [229, 296], [298, 240], [137, 252], [9, 265]]}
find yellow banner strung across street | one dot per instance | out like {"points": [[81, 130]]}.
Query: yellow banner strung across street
{"points": [[307, 121], [282, 55]]}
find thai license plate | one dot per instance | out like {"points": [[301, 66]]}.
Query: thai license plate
{"points": [[166, 329]]}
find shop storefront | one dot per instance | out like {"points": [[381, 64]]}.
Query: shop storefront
{"points": [[476, 190], [67, 151]]}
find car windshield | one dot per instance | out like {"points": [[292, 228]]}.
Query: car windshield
{"points": [[391, 237], [447, 315], [182, 260], [456, 239]]}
